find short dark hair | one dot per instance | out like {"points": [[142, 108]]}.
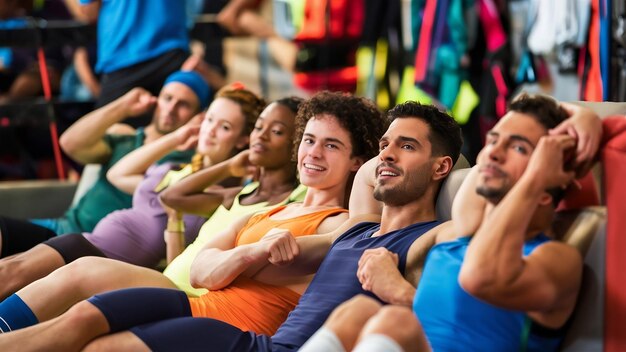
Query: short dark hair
{"points": [[444, 133], [543, 109], [357, 115], [292, 103]]}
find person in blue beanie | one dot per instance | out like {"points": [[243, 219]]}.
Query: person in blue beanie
{"points": [[100, 138]]}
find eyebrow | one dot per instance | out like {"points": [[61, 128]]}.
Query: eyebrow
{"points": [[515, 137], [402, 139], [330, 139]]}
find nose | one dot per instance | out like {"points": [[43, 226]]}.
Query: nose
{"points": [[387, 154], [315, 150], [212, 129], [495, 151], [168, 106]]}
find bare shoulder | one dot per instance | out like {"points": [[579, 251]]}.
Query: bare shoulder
{"points": [[121, 128], [423, 244], [445, 232], [332, 222], [558, 257]]}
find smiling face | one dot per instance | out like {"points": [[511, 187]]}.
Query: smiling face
{"points": [[176, 105], [325, 154], [507, 150], [221, 130], [405, 168], [271, 140]]}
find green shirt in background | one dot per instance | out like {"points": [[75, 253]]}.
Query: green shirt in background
{"points": [[103, 198]]}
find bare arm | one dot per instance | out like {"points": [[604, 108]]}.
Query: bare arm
{"points": [[220, 261], [494, 269], [84, 140], [378, 270], [189, 194], [468, 207], [129, 171], [312, 251], [362, 195], [84, 71]]}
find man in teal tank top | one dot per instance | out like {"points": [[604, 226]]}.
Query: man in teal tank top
{"points": [[98, 137], [507, 287]]}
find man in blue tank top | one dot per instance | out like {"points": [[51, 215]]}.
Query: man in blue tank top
{"points": [[416, 153], [507, 287]]}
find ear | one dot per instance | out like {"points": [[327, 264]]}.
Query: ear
{"points": [[545, 199], [357, 162], [442, 167], [242, 142]]}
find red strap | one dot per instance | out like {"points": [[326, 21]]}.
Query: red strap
{"points": [[54, 135], [424, 43], [593, 90], [503, 91]]}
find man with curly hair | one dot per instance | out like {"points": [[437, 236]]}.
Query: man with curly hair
{"points": [[416, 153]]}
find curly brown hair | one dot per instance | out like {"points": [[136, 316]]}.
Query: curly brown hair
{"points": [[251, 105], [357, 115]]}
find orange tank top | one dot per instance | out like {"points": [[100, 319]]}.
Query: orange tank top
{"points": [[249, 304]]}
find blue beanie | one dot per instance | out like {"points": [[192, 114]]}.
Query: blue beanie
{"points": [[195, 82]]}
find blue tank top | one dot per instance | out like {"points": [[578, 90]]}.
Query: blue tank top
{"points": [[336, 281], [453, 320]]}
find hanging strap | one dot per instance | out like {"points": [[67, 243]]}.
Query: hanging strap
{"points": [[424, 47]]}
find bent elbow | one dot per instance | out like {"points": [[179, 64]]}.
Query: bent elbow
{"points": [[474, 282], [68, 144], [170, 199]]}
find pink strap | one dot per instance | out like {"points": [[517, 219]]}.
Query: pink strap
{"points": [[424, 43]]}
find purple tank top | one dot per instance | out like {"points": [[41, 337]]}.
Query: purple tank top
{"points": [[135, 235]]}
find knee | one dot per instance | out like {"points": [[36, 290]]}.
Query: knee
{"points": [[399, 324], [359, 307], [82, 315], [391, 317]]}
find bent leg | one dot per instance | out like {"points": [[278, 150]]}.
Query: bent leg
{"points": [[344, 325], [71, 331], [82, 279], [24, 268], [393, 326], [121, 341]]}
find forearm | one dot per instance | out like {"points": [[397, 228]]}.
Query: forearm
{"points": [[214, 269], [494, 255], [198, 204], [81, 140], [84, 71], [403, 294], [139, 160], [313, 250], [187, 193], [174, 244], [468, 208]]}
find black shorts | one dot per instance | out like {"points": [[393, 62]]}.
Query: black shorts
{"points": [[149, 75]]}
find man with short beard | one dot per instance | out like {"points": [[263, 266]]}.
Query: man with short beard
{"points": [[494, 280], [99, 137], [417, 152]]}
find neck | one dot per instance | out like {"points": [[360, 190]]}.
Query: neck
{"points": [[276, 181], [325, 197], [396, 217], [151, 133]]}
